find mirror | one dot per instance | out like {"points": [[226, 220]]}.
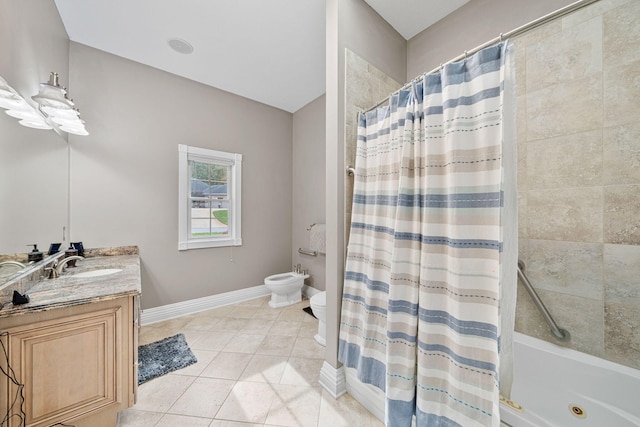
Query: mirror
{"points": [[34, 164], [34, 171]]}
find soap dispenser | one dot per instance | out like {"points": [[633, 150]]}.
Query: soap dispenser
{"points": [[35, 255]]}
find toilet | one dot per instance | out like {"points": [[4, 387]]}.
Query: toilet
{"points": [[286, 288], [318, 304]]}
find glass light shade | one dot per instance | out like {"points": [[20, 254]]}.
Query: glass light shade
{"points": [[34, 124], [70, 123], [63, 114], [76, 131], [29, 115], [52, 96], [14, 103], [5, 92]]}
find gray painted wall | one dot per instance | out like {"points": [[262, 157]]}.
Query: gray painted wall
{"points": [[33, 163], [353, 25], [124, 176], [308, 185]]}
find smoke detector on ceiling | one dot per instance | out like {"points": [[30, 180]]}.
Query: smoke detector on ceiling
{"points": [[181, 46]]}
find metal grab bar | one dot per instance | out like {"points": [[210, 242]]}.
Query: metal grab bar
{"points": [[558, 332]]}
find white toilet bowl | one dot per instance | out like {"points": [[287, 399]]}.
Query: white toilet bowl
{"points": [[286, 288], [318, 304]]}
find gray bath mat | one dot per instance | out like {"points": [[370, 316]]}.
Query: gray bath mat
{"points": [[162, 357]]}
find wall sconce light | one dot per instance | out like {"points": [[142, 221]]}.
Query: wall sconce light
{"points": [[54, 109]]}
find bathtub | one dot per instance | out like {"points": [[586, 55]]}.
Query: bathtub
{"points": [[556, 386]]}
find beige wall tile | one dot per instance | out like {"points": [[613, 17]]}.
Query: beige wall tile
{"points": [[621, 154], [573, 214], [582, 317], [521, 138], [621, 34], [621, 93], [565, 108], [622, 214], [575, 53], [522, 215], [543, 32], [566, 267], [520, 52], [622, 273], [568, 161], [593, 11], [622, 333]]}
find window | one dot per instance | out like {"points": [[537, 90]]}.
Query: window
{"points": [[209, 205]]}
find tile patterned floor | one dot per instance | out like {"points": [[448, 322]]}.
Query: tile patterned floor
{"points": [[257, 366]]}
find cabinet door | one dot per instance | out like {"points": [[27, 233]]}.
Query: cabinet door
{"points": [[68, 367]]}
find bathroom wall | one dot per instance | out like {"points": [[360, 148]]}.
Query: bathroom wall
{"points": [[579, 159], [471, 25], [308, 204], [365, 86], [33, 163], [124, 176], [352, 25], [579, 180]]}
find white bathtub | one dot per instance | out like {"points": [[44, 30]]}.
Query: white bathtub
{"points": [[550, 379]]}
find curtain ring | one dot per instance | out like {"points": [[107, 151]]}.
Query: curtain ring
{"points": [[465, 55], [501, 35]]}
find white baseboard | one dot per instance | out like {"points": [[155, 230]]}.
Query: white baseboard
{"points": [[370, 397], [171, 311], [308, 291], [333, 380]]}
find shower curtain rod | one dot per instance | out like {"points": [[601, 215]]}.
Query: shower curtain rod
{"points": [[503, 36]]}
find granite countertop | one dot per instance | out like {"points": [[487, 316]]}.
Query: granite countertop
{"points": [[67, 290]]}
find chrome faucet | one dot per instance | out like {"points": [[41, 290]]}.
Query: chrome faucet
{"points": [[14, 263], [59, 267]]}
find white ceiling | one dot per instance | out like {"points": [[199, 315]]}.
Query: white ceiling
{"points": [[269, 51], [410, 17]]}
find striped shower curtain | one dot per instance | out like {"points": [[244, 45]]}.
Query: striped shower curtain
{"points": [[428, 279]]}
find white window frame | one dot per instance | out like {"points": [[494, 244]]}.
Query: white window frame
{"points": [[234, 186]]}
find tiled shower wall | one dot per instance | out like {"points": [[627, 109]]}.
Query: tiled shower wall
{"points": [[578, 109], [365, 85], [578, 174]]}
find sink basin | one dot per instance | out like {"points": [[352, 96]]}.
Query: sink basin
{"points": [[98, 273]]}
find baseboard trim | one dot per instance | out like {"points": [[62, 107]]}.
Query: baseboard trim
{"points": [[371, 398], [333, 380], [171, 311], [308, 291]]}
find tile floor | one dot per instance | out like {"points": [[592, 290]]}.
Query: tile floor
{"points": [[257, 366]]}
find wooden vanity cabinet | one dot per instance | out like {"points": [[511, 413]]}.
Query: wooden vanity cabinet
{"points": [[74, 365]]}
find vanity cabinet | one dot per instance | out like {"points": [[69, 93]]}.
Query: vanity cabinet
{"points": [[73, 365]]}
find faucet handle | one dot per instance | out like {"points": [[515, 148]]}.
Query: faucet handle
{"points": [[50, 272]]}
